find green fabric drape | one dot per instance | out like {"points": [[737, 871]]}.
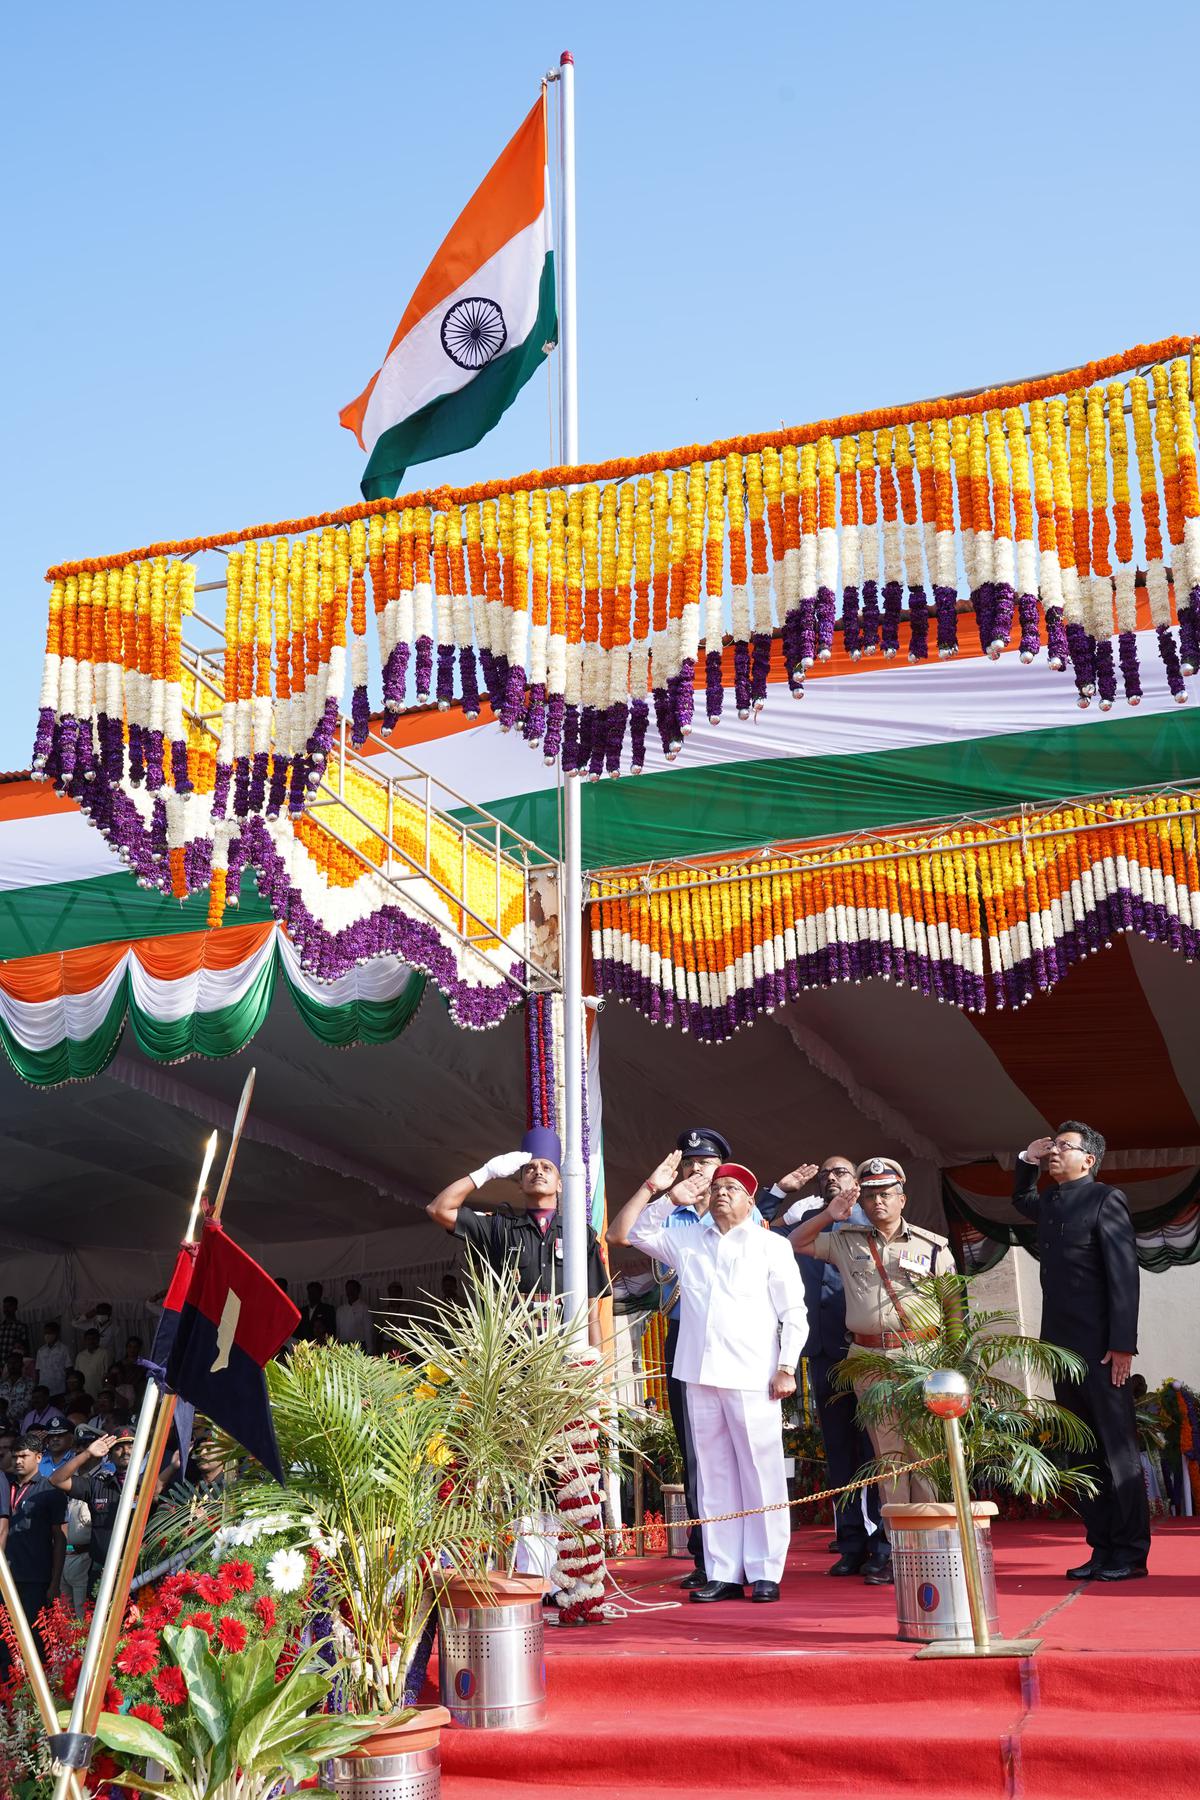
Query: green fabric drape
{"points": [[1167, 1235]]}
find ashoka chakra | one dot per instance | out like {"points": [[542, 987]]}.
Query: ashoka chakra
{"points": [[473, 331]]}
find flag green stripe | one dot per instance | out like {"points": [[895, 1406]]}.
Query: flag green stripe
{"points": [[702, 811], [457, 421], [107, 909]]}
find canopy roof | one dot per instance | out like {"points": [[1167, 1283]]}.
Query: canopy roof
{"points": [[345, 1146]]}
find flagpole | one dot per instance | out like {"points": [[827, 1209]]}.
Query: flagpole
{"points": [[72, 1750], [31, 1657], [574, 1174]]}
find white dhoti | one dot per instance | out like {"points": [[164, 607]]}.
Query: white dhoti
{"points": [[737, 1435]]}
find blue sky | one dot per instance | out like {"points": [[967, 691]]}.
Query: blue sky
{"points": [[215, 216]]}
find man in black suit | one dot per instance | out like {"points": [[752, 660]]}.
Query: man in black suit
{"points": [[1088, 1253], [862, 1543]]}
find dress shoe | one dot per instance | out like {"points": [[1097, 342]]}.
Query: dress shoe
{"points": [[719, 1590], [763, 1591], [1087, 1571], [1122, 1572], [877, 1572], [851, 1563], [697, 1579]]}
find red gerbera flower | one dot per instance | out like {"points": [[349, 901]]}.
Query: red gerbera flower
{"points": [[149, 1712], [237, 1576], [203, 1621], [70, 1677], [139, 1655], [267, 1612], [231, 1634], [213, 1590], [113, 1697], [169, 1606], [170, 1687]]}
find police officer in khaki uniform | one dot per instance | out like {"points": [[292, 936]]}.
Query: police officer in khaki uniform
{"points": [[880, 1265]]}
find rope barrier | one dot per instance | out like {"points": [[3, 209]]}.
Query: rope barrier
{"points": [[754, 1512]]}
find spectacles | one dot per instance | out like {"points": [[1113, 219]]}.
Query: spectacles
{"points": [[1064, 1144]]}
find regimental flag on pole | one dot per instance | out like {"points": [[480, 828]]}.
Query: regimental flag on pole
{"points": [[481, 321], [232, 1321]]}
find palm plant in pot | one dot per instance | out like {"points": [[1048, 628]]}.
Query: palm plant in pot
{"points": [[1012, 1440], [519, 1406]]}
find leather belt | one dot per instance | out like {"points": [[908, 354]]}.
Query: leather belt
{"points": [[890, 1340]]}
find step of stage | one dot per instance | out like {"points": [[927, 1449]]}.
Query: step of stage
{"points": [[876, 1752]]}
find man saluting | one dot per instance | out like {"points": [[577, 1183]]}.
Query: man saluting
{"points": [[741, 1325], [1088, 1253]]}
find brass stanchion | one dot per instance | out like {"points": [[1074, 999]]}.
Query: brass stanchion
{"points": [[27, 1644], [948, 1397]]}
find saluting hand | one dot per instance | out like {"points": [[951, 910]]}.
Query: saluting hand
{"points": [[664, 1176], [1120, 1362], [1040, 1149], [842, 1204], [799, 1178], [690, 1189], [100, 1447]]}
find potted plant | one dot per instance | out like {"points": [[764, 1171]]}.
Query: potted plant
{"points": [[235, 1727], [1011, 1441], [518, 1412], [651, 1438]]}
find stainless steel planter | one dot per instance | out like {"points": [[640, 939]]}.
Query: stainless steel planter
{"points": [[931, 1585], [406, 1775], [493, 1664], [674, 1509]]}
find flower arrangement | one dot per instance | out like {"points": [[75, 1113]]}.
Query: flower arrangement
{"points": [[529, 582], [976, 916]]}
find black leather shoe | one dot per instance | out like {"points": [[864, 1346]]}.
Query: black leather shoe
{"points": [[852, 1563], [1122, 1572], [763, 1591], [1087, 1571], [877, 1572], [718, 1590], [697, 1579]]}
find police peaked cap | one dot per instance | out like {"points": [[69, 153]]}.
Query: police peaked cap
{"points": [[702, 1140], [880, 1172]]}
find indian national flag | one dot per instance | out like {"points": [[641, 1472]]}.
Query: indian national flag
{"points": [[482, 319]]}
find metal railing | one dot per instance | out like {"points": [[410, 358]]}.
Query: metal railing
{"points": [[411, 795]]}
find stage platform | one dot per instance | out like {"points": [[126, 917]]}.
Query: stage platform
{"points": [[816, 1696]]}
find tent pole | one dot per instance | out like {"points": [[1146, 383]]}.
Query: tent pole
{"points": [[574, 1175]]}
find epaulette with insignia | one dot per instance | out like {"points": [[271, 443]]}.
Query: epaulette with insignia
{"points": [[930, 1237]]}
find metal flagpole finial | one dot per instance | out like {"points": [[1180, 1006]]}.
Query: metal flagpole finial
{"points": [[238, 1124], [210, 1152]]}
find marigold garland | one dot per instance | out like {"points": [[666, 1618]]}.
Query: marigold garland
{"points": [[976, 916], [582, 597]]}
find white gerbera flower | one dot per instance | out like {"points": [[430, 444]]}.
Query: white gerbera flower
{"points": [[326, 1546], [287, 1571]]}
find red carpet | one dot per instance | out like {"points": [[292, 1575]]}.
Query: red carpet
{"points": [[817, 1697]]}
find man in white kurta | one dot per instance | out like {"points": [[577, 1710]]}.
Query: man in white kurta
{"points": [[742, 1324]]}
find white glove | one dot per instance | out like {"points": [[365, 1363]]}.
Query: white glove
{"points": [[801, 1209], [500, 1167]]}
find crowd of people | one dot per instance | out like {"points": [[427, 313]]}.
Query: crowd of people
{"points": [[67, 1417]]}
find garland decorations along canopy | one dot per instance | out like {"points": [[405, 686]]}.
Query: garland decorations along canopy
{"points": [[1002, 909], [583, 601]]}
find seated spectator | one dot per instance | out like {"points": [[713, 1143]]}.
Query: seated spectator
{"points": [[16, 1389], [53, 1359], [100, 1318], [121, 1382], [14, 1337], [132, 1353], [74, 1387], [101, 1419], [92, 1361], [39, 1410]]}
